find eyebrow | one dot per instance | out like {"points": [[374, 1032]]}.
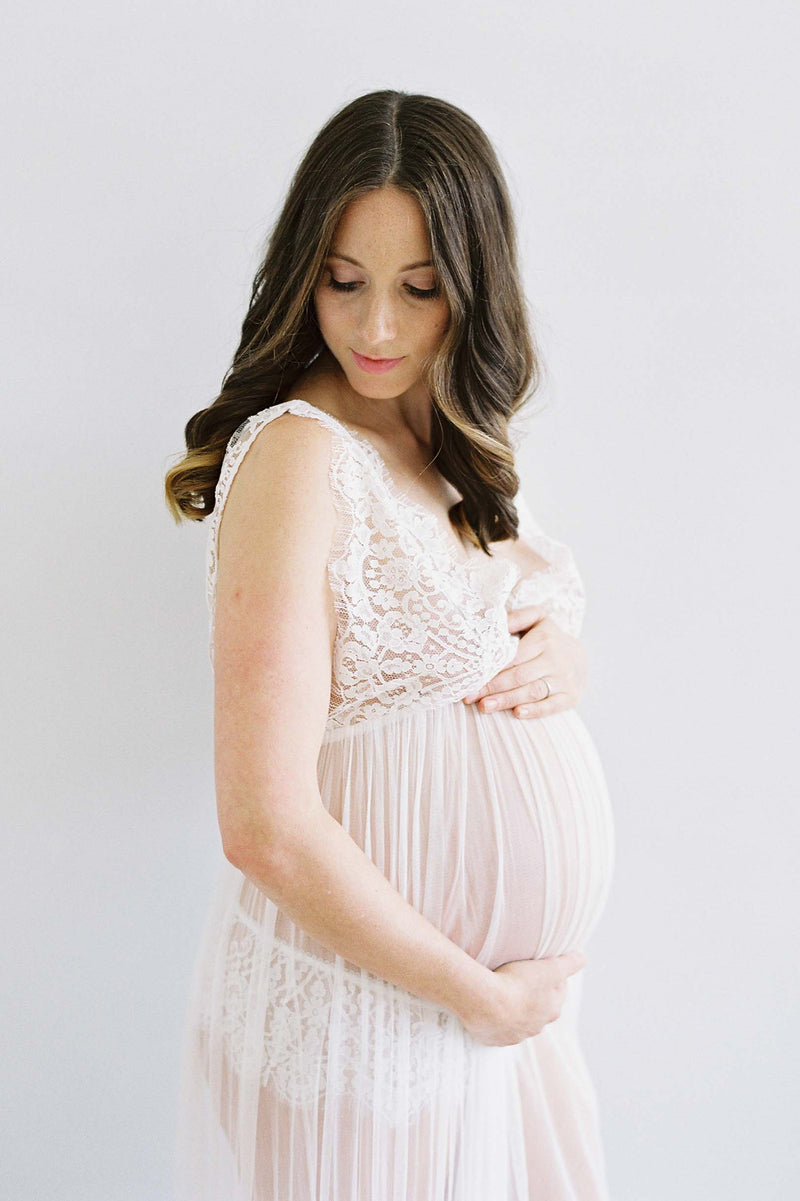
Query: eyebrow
{"points": [[334, 254]]}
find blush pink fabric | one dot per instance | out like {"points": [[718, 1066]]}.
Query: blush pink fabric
{"points": [[306, 1078]]}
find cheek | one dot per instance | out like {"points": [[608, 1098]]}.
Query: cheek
{"points": [[436, 328], [329, 316]]}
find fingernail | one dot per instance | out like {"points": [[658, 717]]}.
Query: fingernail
{"points": [[490, 704]]}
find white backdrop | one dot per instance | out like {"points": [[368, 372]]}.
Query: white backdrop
{"points": [[651, 154]]}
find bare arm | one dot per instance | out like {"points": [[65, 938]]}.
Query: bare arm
{"points": [[274, 632]]}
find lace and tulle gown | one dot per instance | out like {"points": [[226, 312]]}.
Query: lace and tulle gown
{"points": [[306, 1078]]}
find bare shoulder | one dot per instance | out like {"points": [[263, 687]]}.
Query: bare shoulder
{"points": [[281, 489], [291, 451], [288, 441]]}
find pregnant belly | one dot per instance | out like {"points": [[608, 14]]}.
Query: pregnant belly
{"points": [[544, 836], [498, 830]]}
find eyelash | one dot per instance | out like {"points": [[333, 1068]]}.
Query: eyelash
{"points": [[419, 293]]}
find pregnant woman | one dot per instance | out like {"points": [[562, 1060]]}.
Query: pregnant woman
{"points": [[385, 1001]]}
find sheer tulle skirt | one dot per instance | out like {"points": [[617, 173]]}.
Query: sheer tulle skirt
{"points": [[306, 1078]]}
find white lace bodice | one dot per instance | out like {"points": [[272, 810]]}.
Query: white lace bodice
{"points": [[415, 625]]}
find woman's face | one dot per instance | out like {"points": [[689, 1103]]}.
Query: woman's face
{"points": [[378, 296]]}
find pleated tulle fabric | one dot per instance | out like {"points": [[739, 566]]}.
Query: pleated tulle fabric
{"points": [[306, 1078]]}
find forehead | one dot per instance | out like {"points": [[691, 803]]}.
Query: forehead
{"points": [[386, 223]]}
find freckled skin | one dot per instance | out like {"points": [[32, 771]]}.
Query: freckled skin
{"points": [[385, 231]]}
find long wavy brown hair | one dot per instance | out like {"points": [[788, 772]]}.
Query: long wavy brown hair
{"points": [[487, 364]]}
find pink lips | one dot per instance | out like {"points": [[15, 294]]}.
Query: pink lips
{"points": [[375, 366]]}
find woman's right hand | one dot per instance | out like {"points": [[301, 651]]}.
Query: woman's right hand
{"points": [[528, 994]]}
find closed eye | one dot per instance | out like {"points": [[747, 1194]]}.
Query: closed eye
{"points": [[350, 286], [423, 293]]}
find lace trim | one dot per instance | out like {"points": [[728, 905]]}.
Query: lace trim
{"points": [[558, 588], [320, 1017]]}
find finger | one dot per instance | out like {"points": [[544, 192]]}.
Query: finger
{"points": [[532, 693], [525, 616], [517, 685], [571, 962], [555, 703], [492, 696], [515, 676]]}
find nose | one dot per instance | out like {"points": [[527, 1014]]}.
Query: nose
{"points": [[378, 325]]}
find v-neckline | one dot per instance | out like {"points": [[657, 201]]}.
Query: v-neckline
{"points": [[430, 518], [477, 559]]}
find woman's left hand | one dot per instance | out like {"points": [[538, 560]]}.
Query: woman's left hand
{"points": [[544, 650]]}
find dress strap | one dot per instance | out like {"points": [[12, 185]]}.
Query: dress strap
{"points": [[243, 435], [345, 482]]}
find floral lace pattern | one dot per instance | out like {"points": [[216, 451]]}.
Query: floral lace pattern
{"points": [[415, 626], [316, 1005], [559, 587]]}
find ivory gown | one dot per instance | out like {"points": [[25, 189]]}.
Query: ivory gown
{"points": [[305, 1077]]}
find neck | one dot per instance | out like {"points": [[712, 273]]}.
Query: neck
{"points": [[392, 417]]}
